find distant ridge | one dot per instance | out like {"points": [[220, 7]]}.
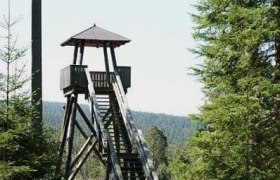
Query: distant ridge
{"points": [[176, 128]]}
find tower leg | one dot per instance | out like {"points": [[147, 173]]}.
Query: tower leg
{"points": [[67, 113], [70, 138]]}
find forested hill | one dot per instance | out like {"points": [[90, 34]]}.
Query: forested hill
{"points": [[175, 128]]}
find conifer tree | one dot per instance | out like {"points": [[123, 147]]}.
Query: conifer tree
{"points": [[24, 153], [157, 143], [240, 45]]}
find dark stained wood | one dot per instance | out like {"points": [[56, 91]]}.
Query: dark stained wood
{"points": [[106, 64], [82, 150], [70, 138], [82, 47], [86, 119], [67, 113], [110, 122], [36, 65], [75, 52], [96, 37], [80, 164], [114, 61]]}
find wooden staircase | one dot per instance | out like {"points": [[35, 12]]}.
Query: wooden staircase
{"points": [[129, 161], [109, 130], [122, 145]]}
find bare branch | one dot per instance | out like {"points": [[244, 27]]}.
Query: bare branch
{"points": [[3, 26], [16, 21], [6, 20]]}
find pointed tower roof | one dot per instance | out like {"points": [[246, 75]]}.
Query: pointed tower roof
{"points": [[96, 37]]}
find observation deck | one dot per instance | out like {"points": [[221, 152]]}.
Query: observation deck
{"points": [[73, 79]]}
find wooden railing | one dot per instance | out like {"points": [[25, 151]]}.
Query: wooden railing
{"points": [[102, 134], [73, 77], [134, 135], [100, 80]]}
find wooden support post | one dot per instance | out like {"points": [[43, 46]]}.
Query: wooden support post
{"points": [[65, 124], [70, 138], [107, 168], [114, 61], [79, 127], [82, 47], [86, 119], [106, 63], [75, 53]]}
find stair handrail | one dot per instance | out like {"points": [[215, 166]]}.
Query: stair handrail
{"points": [[131, 128], [105, 134], [96, 112]]}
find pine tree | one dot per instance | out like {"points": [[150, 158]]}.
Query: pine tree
{"points": [[24, 153], [240, 44], [157, 143]]}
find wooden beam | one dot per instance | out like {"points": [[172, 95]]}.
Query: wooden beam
{"points": [[75, 52], [114, 61], [80, 164], [86, 119], [82, 47], [70, 138], [79, 127], [85, 135], [81, 152], [63, 135], [106, 63]]}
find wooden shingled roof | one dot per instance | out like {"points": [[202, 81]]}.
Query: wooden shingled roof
{"points": [[96, 37]]}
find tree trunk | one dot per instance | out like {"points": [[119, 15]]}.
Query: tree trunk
{"points": [[36, 83]]}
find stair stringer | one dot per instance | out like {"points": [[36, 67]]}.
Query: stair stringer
{"points": [[135, 136]]}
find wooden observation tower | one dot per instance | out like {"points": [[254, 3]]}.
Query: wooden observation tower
{"points": [[108, 131]]}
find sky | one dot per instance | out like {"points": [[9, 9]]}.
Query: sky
{"points": [[160, 33]]}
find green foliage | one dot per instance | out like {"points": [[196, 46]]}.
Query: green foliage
{"points": [[157, 144], [240, 45], [24, 153], [176, 128]]}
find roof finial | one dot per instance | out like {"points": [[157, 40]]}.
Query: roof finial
{"points": [[94, 25]]}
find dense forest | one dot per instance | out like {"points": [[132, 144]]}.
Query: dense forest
{"points": [[176, 128]]}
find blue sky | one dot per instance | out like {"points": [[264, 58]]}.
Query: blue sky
{"points": [[160, 32]]}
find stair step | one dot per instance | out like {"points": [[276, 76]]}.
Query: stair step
{"points": [[134, 177], [132, 169], [127, 154]]}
